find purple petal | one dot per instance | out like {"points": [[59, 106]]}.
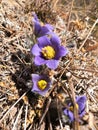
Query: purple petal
{"points": [[61, 52], [35, 88], [39, 61], [35, 77], [37, 28], [49, 26], [36, 50], [82, 114], [35, 17], [55, 40], [71, 116], [44, 30], [66, 112], [81, 101], [52, 64], [81, 98], [81, 107], [43, 41]]}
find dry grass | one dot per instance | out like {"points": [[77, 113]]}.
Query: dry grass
{"points": [[76, 24]]}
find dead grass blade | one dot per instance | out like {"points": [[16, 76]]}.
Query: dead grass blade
{"points": [[88, 35], [12, 106], [14, 126], [26, 112]]}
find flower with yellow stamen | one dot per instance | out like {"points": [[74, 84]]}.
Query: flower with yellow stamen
{"points": [[80, 106], [41, 84], [48, 51]]}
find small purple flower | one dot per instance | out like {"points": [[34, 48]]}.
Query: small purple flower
{"points": [[41, 84], [81, 104], [48, 51], [41, 30]]}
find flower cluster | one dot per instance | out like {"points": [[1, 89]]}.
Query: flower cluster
{"points": [[47, 51]]}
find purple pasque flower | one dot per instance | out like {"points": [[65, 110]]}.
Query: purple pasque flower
{"points": [[41, 84], [48, 51], [80, 104], [41, 30]]}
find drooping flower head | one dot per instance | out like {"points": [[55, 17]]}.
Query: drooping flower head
{"points": [[41, 30], [48, 51], [41, 84], [80, 104]]}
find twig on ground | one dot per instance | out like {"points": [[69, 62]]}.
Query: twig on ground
{"points": [[46, 110], [70, 14], [59, 116], [76, 122], [26, 112], [50, 124], [93, 71], [14, 126], [87, 35]]}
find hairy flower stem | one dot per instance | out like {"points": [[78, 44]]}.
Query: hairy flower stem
{"points": [[76, 122]]}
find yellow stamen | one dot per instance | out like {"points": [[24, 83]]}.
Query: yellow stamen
{"points": [[48, 52], [71, 107], [42, 84]]}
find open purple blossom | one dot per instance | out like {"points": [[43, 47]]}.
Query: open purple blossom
{"points": [[41, 84], [41, 30], [80, 104], [48, 51]]}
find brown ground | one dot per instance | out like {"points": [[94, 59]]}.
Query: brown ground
{"points": [[77, 25]]}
